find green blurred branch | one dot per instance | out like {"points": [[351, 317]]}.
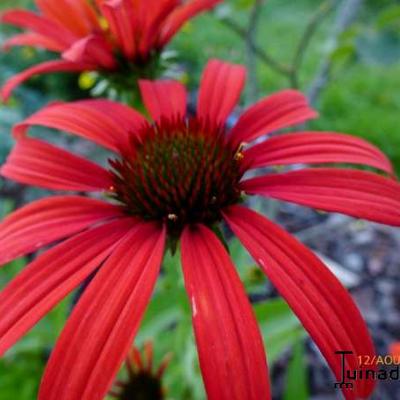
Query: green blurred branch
{"points": [[251, 57], [323, 10], [348, 12], [258, 51], [253, 50]]}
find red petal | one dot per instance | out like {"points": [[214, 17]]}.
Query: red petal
{"points": [[281, 110], [39, 24], [43, 68], [356, 193], [33, 39], [320, 301], [181, 15], [120, 15], [91, 50], [105, 122], [231, 352], [154, 13], [45, 221], [164, 99], [220, 90], [316, 148], [48, 279], [101, 329], [38, 163], [77, 15]]}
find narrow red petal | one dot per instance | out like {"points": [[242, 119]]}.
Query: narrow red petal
{"points": [[357, 193], [38, 163], [281, 110], [320, 301], [77, 16], [48, 279], [220, 90], [33, 39], [92, 50], [39, 24], [231, 352], [101, 329], [45, 221], [183, 14], [316, 148], [44, 68], [107, 123], [155, 13], [164, 99], [120, 15]]}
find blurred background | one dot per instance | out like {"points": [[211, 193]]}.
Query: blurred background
{"points": [[346, 56]]}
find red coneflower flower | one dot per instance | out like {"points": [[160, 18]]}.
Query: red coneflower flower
{"points": [[103, 35], [143, 382], [176, 178]]}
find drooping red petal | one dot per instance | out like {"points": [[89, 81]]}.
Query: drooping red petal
{"points": [[39, 24], [76, 15], [43, 68], [278, 111], [101, 329], [357, 193], [107, 123], [45, 221], [38, 163], [220, 90], [164, 99], [316, 148], [181, 15], [154, 13], [33, 39], [48, 279], [120, 15], [91, 50], [320, 301], [231, 352]]}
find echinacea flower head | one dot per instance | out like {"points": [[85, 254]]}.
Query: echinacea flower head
{"points": [[143, 380], [175, 178], [119, 38]]}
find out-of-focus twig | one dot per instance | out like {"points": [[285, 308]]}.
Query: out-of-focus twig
{"points": [[251, 57], [258, 51], [249, 35], [348, 12], [323, 10]]}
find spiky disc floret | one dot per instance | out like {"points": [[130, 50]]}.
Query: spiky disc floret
{"points": [[144, 381], [181, 172]]}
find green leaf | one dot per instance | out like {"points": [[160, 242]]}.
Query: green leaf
{"points": [[297, 379], [389, 18], [280, 327], [10, 270], [343, 54], [244, 4]]}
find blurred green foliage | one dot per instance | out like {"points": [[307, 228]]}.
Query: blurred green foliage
{"points": [[363, 99], [296, 382]]}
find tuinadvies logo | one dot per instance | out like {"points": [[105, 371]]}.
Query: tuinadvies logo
{"points": [[368, 369]]}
